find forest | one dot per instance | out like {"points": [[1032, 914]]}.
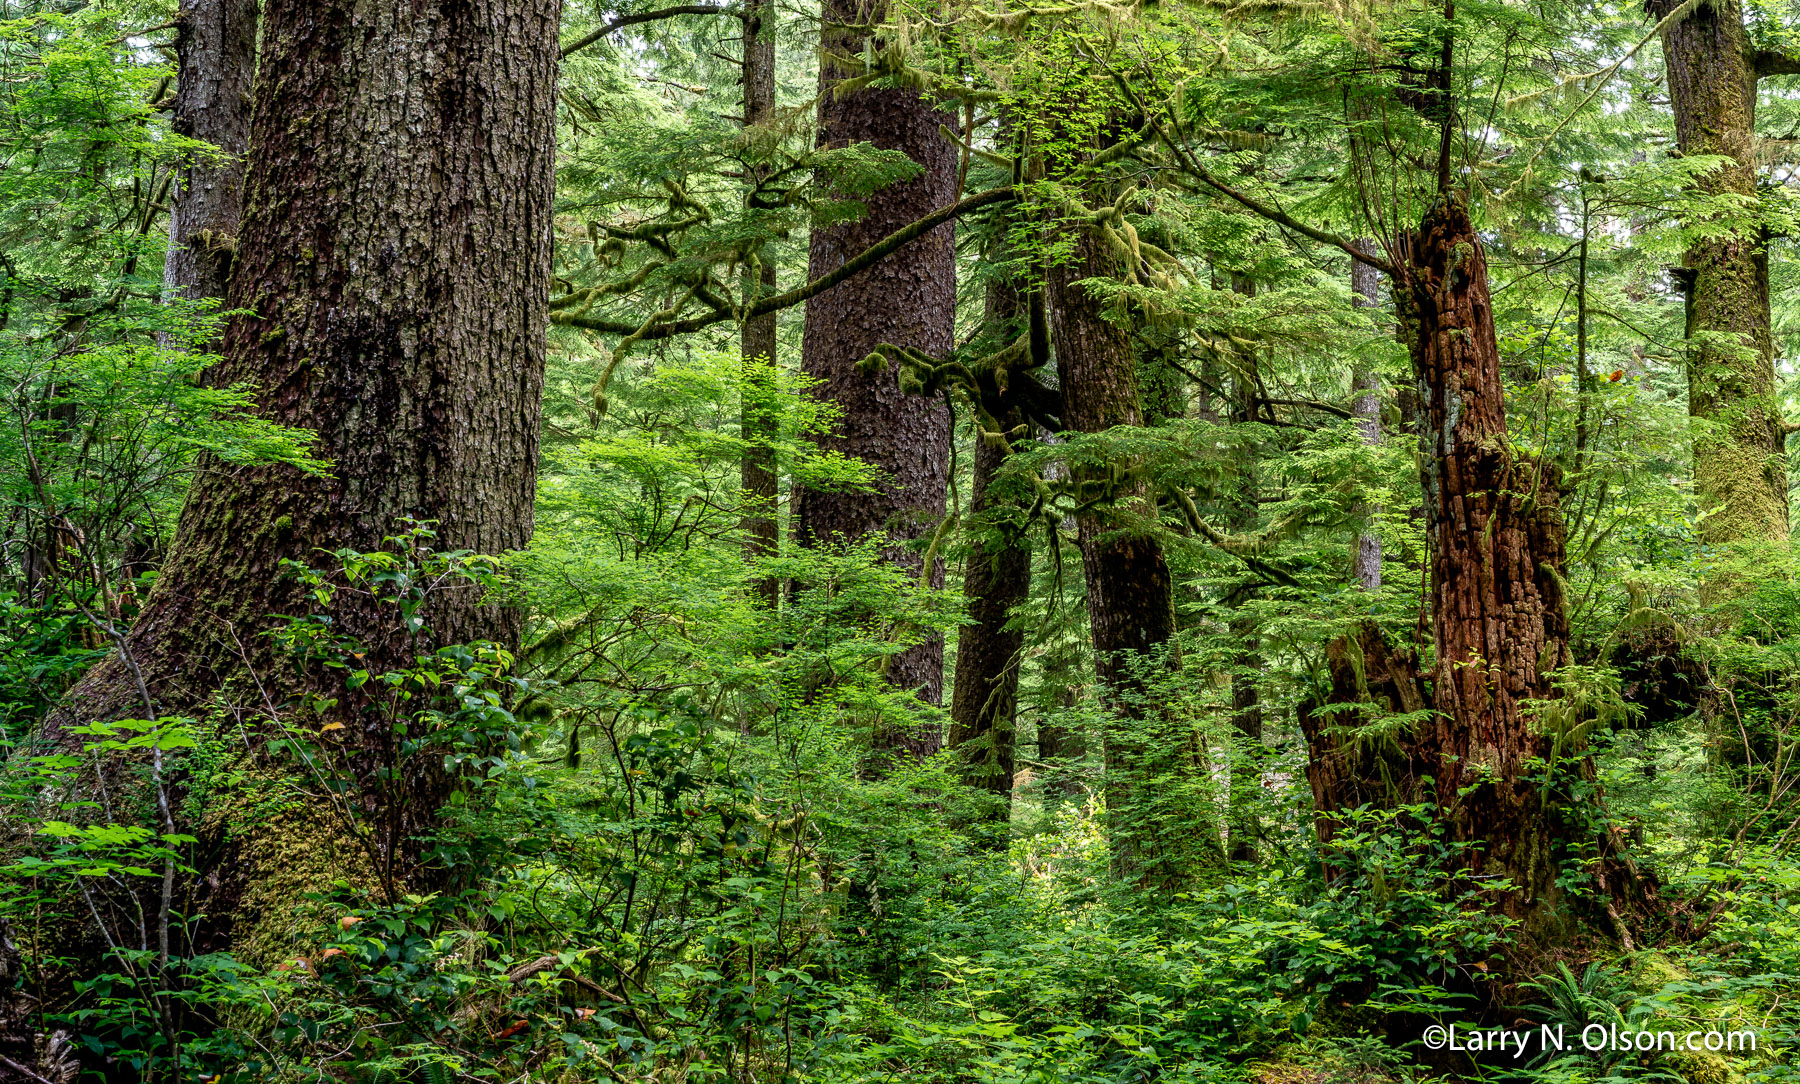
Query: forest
{"points": [[899, 541]]}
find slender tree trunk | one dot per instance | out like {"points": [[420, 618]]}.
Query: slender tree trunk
{"points": [[1496, 535], [760, 492], [1130, 592], [908, 300], [215, 44], [996, 579], [1740, 457], [1365, 387], [1246, 700]]}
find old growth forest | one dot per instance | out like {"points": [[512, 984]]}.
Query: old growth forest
{"points": [[899, 541]]}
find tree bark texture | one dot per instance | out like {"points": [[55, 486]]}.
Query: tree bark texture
{"points": [[757, 337], [1496, 534], [215, 46], [1495, 530], [908, 299], [1740, 457], [1130, 593], [395, 258], [996, 579]]}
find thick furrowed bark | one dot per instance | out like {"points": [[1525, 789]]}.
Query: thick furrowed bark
{"points": [[394, 255], [1497, 552], [908, 301]]}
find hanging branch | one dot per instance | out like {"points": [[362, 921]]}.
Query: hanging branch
{"points": [[644, 17], [870, 256]]}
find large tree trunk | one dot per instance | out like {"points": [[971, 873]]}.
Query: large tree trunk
{"points": [[757, 337], [395, 257], [1740, 459], [216, 48], [908, 300], [1496, 534], [996, 579], [1129, 589]]}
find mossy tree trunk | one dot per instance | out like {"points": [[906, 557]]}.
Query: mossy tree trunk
{"points": [[394, 260], [1740, 456], [1130, 592], [996, 580], [908, 300]]}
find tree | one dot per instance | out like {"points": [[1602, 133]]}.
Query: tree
{"points": [[1740, 457], [996, 580], [1130, 602], [1365, 387], [1496, 533], [394, 259], [757, 335], [216, 46], [907, 300]]}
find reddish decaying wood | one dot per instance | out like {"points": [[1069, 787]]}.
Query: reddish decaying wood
{"points": [[1496, 535], [1498, 613]]}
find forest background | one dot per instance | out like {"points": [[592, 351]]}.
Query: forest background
{"points": [[889, 540]]}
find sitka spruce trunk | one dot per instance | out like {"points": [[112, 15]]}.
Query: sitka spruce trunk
{"points": [[908, 300], [393, 267]]}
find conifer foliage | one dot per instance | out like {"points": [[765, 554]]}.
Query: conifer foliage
{"points": [[986, 540]]}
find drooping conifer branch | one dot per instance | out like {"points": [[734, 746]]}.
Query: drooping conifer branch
{"points": [[874, 254]]}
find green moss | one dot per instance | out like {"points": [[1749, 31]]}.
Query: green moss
{"points": [[287, 849]]}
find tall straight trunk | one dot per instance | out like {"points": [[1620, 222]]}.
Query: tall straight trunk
{"points": [[1496, 533], [996, 579], [1246, 699], [394, 259], [756, 345], [1130, 592], [1740, 458], [215, 46], [1365, 389], [908, 300]]}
